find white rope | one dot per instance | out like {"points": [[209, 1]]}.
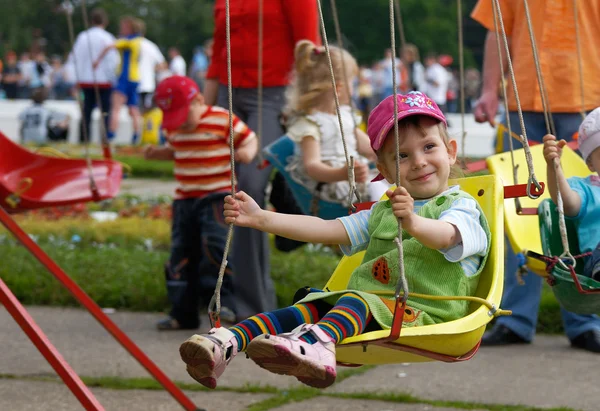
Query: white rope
{"points": [[528, 158], [214, 308], [349, 159], [402, 286]]}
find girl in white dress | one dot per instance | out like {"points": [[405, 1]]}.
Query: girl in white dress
{"points": [[319, 162]]}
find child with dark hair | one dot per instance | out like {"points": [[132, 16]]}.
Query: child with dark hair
{"points": [[40, 124]]}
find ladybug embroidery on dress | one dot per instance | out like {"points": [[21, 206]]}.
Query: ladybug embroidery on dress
{"points": [[410, 315], [381, 271]]}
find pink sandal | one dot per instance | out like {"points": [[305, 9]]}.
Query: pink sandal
{"points": [[312, 364], [208, 355]]}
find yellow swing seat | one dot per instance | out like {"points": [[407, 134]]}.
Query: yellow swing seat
{"points": [[452, 341], [522, 229]]}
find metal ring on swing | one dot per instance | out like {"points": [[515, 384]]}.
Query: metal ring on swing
{"points": [[539, 190]]}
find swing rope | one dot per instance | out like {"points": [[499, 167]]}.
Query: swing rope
{"points": [[340, 41], [505, 101], [579, 60], [532, 180], [103, 114], [349, 159], [214, 307], [400, 24], [550, 129], [402, 286], [461, 62], [67, 6], [259, 126]]}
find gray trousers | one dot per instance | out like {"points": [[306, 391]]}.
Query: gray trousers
{"points": [[254, 289]]}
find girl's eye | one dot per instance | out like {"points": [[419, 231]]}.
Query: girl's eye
{"points": [[429, 147], [403, 155]]}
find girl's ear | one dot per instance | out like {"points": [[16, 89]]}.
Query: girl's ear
{"points": [[452, 151]]}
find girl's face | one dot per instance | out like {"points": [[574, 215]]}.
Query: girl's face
{"points": [[425, 161]]}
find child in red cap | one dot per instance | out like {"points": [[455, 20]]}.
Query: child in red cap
{"points": [[198, 142], [581, 196], [446, 241]]}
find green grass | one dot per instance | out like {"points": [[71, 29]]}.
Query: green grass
{"points": [[113, 277], [132, 278], [148, 168], [282, 397]]}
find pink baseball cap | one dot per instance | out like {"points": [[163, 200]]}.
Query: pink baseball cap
{"points": [[381, 119], [173, 96]]}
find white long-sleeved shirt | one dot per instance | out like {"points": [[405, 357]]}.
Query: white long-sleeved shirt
{"points": [[150, 57], [88, 46]]}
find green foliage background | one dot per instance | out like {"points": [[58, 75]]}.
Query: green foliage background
{"points": [[430, 24]]}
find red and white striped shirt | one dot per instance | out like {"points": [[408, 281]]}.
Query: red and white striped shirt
{"points": [[202, 156]]}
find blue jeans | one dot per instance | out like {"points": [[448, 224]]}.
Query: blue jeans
{"points": [[198, 240], [524, 300]]}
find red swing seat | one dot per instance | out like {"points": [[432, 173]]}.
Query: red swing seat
{"points": [[29, 180]]}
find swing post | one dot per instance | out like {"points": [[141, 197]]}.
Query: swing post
{"points": [[47, 349], [96, 312]]}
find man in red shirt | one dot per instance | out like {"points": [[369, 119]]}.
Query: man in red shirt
{"points": [[284, 24]]}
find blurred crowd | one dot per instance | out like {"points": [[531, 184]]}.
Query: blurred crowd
{"points": [[437, 76], [21, 74]]}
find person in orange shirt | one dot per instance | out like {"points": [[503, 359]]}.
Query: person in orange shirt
{"points": [[553, 24]]}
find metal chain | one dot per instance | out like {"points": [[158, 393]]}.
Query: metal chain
{"points": [[402, 286], [340, 40], [349, 160], [532, 180], [214, 307]]}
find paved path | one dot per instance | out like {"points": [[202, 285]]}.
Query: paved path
{"points": [[545, 374]]}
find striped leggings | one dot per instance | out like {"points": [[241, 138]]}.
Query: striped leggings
{"points": [[347, 318]]}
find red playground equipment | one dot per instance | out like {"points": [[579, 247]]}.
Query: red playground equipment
{"points": [[29, 180]]}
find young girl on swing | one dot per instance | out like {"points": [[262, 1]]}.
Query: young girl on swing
{"points": [[319, 162], [446, 241], [581, 196]]}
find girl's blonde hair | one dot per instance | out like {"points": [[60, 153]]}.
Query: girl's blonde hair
{"points": [[311, 79]]}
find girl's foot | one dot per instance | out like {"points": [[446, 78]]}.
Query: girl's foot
{"points": [[312, 364], [207, 355]]}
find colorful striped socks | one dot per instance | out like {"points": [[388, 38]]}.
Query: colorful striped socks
{"points": [[349, 317]]}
